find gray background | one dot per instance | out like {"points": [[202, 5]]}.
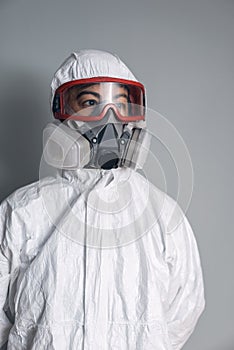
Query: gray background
{"points": [[183, 52]]}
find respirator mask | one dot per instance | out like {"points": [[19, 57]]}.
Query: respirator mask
{"points": [[103, 125]]}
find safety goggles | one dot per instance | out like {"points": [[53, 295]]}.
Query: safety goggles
{"points": [[90, 99]]}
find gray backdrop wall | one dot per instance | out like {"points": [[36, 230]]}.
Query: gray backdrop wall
{"points": [[183, 52]]}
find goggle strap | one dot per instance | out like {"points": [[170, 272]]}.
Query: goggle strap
{"points": [[56, 104]]}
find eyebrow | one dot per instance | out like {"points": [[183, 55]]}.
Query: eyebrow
{"points": [[121, 95], [87, 92]]}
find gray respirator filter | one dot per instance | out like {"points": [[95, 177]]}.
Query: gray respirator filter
{"points": [[102, 147]]}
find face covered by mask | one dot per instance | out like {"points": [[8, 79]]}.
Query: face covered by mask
{"points": [[103, 120]]}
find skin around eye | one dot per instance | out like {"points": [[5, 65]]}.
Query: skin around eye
{"points": [[86, 103], [82, 98], [122, 105], [82, 102], [122, 108]]}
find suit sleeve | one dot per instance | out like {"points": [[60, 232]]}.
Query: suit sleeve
{"points": [[6, 272], [186, 291]]}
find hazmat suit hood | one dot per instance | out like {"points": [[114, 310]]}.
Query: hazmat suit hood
{"points": [[86, 64]]}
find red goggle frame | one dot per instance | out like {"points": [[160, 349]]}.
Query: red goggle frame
{"points": [[136, 96]]}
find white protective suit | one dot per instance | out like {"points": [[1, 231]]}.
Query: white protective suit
{"points": [[56, 293]]}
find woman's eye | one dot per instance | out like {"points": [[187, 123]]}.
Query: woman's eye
{"points": [[121, 106], [89, 103]]}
